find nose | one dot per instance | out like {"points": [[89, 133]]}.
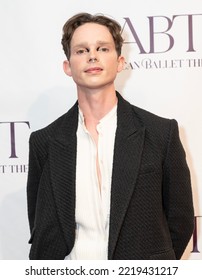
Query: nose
{"points": [[93, 60], [92, 56]]}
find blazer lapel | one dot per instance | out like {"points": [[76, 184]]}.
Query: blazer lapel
{"points": [[127, 155], [62, 170]]}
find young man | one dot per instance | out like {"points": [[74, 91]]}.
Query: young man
{"points": [[107, 180]]}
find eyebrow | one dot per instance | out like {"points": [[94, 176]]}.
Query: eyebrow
{"points": [[84, 44]]}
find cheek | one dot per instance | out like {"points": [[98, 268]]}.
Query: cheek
{"points": [[76, 67], [115, 66]]}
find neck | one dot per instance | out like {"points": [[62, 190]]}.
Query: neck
{"points": [[95, 105]]}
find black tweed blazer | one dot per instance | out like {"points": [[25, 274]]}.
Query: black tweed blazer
{"points": [[151, 215]]}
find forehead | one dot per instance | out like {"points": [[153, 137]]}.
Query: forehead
{"points": [[90, 33]]}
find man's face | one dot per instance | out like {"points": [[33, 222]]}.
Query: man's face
{"points": [[93, 62]]}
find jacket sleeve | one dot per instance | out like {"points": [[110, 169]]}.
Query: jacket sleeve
{"points": [[34, 174], [177, 192]]}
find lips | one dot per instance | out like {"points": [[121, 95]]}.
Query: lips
{"points": [[93, 70]]}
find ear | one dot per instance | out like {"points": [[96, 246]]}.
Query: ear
{"points": [[121, 63], [67, 68]]}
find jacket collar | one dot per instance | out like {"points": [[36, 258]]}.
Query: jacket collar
{"points": [[127, 155], [128, 148]]}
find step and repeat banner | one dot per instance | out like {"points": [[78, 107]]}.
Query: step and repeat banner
{"points": [[163, 74]]}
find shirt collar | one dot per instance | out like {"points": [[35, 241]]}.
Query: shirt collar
{"points": [[110, 116]]}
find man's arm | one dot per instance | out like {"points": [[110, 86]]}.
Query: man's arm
{"points": [[177, 193], [33, 179]]}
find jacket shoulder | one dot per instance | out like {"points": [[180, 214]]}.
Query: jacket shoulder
{"points": [[39, 139], [154, 123], [143, 117], [51, 129], [158, 130], [149, 118]]}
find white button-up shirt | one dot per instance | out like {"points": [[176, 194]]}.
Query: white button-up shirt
{"points": [[92, 200]]}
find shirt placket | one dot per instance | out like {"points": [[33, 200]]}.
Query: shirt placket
{"points": [[102, 164]]}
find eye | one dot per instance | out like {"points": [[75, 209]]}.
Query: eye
{"points": [[81, 51], [103, 49]]}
